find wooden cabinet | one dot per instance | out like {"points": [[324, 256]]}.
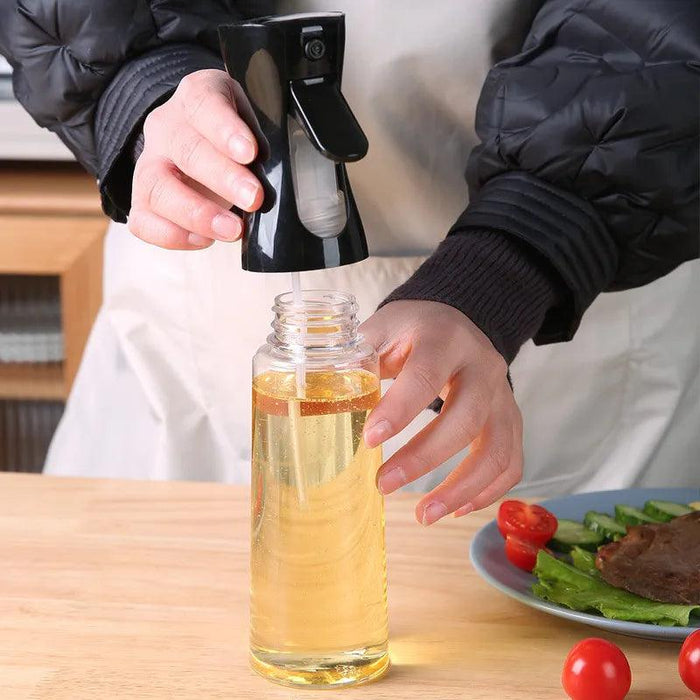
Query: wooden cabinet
{"points": [[51, 224]]}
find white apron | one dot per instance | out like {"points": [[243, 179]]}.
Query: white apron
{"points": [[164, 389]]}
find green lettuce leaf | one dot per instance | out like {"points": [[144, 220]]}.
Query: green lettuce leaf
{"points": [[561, 583]]}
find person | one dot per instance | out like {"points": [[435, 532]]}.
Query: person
{"points": [[583, 180]]}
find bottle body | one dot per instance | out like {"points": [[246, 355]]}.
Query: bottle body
{"points": [[318, 570]]}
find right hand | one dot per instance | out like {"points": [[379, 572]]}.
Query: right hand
{"points": [[192, 168]]}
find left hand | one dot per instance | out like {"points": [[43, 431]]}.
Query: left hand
{"points": [[433, 349]]}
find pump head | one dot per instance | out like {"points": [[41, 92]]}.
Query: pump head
{"points": [[290, 68]]}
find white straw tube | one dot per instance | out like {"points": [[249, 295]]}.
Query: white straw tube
{"points": [[300, 373], [294, 404], [294, 408]]}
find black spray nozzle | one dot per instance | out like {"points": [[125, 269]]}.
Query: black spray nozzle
{"points": [[290, 68], [328, 121]]}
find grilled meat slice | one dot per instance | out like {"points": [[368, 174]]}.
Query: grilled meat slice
{"points": [[660, 562]]}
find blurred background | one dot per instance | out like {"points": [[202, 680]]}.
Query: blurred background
{"points": [[51, 231]]}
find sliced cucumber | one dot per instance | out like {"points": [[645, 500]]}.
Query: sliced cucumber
{"points": [[628, 515], [571, 534], [665, 510], [604, 525]]}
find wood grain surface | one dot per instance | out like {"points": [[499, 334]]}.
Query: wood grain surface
{"points": [[138, 591], [48, 189], [44, 245]]}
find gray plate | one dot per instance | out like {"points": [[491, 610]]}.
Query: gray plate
{"points": [[488, 557]]}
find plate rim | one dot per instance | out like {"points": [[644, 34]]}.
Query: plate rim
{"points": [[625, 627]]}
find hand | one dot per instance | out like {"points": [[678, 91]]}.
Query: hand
{"points": [[192, 167], [433, 349]]}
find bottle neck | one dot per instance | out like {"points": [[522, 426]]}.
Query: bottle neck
{"points": [[315, 322]]}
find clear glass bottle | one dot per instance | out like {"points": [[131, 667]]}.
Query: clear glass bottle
{"points": [[318, 568]]}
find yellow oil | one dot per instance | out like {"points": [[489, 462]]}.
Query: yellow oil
{"points": [[318, 570]]}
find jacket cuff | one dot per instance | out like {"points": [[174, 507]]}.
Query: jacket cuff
{"points": [[140, 86], [492, 279], [562, 228]]}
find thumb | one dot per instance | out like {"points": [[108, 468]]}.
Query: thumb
{"points": [[387, 334], [375, 331]]}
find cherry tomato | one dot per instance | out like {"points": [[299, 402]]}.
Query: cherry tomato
{"points": [[596, 669], [689, 662], [521, 553], [530, 523]]}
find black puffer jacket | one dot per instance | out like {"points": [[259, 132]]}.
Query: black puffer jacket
{"points": [[586, 179]]}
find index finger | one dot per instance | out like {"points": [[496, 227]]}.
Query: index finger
{"points": [[210, 106], [421, 379]]}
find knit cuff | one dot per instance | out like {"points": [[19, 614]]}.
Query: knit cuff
{"points": [[141, 85], [562, 229], [494, 279]]}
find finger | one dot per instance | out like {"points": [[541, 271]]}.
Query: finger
{"points": [[247, 113], [210, 107], [392, 347], [158, 231], [420, 380], [158, 187], [490, 457], [206, 192], [459, 423], [504, 483], [493, 492], [374, 330], [200, 160], [496, 490]]}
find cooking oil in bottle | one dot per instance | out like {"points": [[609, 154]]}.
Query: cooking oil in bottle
{"points": [[318, 571]]}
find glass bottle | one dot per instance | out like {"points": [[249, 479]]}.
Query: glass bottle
{"points": [[318, 568]]}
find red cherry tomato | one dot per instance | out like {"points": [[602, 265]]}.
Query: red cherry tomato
{"points": [[530, 523], [521, 553], [689, 662], [596, 669]]}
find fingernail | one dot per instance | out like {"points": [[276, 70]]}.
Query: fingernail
{"points": [[433, 512], [242, 148], [199, 241], [391, 480], [464, 510], [376, 434], [246, 192], [227, 226]]}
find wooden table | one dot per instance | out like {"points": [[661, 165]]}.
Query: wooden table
{"points": [[131, 590]]}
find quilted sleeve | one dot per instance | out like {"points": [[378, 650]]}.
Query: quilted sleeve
{"points": [[589, 147]]}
